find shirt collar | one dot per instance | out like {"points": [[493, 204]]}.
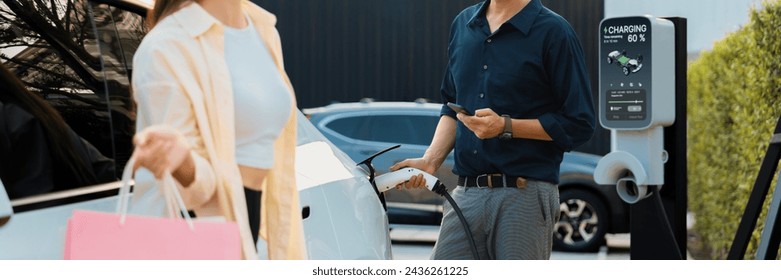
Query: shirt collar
{"points": [[522, 21], [197, 20]]}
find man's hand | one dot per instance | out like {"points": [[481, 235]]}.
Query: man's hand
{"points": [[416, 181], [485, 123], [441, 146]]}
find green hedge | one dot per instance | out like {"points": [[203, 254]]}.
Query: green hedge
{"points": [[734, 103]]}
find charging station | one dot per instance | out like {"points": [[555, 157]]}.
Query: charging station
{"points": [[642, 100]]}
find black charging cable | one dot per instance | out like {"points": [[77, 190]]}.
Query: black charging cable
{"points": [[440, 189], [663, 217]]}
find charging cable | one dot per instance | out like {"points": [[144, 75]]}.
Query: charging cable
{"points": [[442, 190], [389, 180]]}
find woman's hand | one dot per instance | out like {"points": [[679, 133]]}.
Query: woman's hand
{"points": [[160, 149]]}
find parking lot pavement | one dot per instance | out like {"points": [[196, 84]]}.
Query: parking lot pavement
{"points": [[416, 242]]}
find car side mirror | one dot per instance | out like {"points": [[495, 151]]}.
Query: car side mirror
{"points": [[5, 206]]}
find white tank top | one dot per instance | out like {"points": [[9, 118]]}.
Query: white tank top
{"points": [[261, 97]]}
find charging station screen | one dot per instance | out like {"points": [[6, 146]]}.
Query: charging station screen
{"points": [[625, 72], [626, 104]]}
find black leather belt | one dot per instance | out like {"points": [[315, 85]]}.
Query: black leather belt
{"points": [[492, 181]]}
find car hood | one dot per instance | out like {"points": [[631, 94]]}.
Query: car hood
{"points": [[318, 161]]}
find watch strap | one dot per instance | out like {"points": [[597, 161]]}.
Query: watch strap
{"points": [[508, 127]]}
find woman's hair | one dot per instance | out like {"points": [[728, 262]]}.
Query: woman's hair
{"points": [[162, 9], [61, 145]]}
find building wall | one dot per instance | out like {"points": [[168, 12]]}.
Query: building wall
{"points": [[391, 50]]}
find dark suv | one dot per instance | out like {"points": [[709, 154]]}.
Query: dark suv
{"points": [[588, 210]]}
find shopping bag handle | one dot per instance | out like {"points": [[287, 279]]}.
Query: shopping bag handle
{"points": [[167, 186]]}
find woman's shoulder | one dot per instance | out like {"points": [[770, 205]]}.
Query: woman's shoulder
{"points": [[167, 30], [259, 14], [166, 40]]}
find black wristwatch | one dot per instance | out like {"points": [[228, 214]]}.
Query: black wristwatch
{"points": [[507, 134]]}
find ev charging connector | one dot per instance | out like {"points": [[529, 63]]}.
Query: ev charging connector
{"points": [[390, 180], [636, 100]]}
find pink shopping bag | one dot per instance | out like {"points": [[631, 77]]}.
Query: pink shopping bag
{"points": [[117, 236], [96, 235]]}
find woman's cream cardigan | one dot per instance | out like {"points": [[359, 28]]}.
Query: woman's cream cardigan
{"points": [[180, 79]]}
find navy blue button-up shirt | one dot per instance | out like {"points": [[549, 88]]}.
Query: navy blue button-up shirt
{"points": [[532, 67]]}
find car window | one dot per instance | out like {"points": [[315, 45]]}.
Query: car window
{"points": [[351, 127], [423, 127], [49, 45], [402, 129], [119, 33], [58, 49]]}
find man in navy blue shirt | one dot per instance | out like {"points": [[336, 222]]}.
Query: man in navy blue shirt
{"points": [[519, 68]]}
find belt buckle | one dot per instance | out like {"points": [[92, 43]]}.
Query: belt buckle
{"points": [[498, 175], [477, 181]]}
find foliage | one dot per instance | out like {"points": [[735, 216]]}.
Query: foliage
{"points": [[733, 103]]}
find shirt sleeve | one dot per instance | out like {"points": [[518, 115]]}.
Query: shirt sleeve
{"points": [[573, 123], [448, 94], [448, 89], [162, 101]]}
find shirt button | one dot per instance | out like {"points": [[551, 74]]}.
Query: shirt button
{"points": [[485, 67], [489, 40], [481, 95], [474, 152]]}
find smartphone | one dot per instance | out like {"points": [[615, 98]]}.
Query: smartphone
{"points": [[458, 108]]}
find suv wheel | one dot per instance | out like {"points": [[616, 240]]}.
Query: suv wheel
{"points": [[582, 224]]}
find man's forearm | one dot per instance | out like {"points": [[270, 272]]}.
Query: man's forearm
{"points": [[443, 141]]}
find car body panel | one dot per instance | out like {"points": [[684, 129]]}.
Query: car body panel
{"points": [[40, 234], [346, 219], [335, 231], [346, 206], [5, 206]]}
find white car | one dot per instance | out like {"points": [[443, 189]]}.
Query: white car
{"points": [[343, 216]]}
